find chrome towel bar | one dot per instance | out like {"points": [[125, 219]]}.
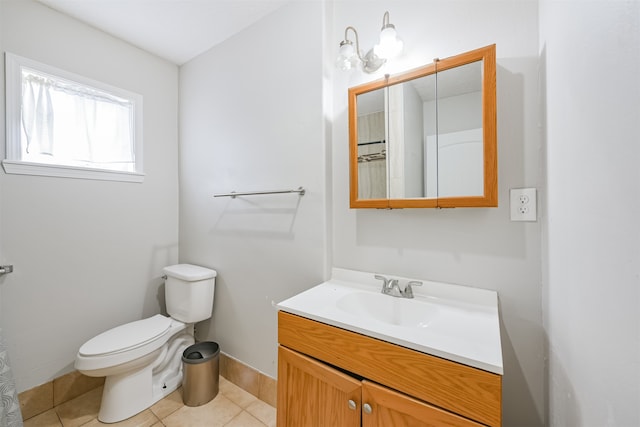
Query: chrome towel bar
{"points": [[233, 194]]}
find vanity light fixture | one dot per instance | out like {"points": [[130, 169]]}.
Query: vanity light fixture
{"points": [[388, 47]]}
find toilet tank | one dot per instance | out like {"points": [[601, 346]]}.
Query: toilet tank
{"points": [[189, 292]]}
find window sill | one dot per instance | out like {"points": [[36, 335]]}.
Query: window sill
{"points": [[41, 169]]}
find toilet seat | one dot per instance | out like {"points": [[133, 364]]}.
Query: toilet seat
{"points": [[122, 347], [126, 337]]}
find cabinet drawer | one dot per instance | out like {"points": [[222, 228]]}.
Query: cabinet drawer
{"points": [[470, 392]]}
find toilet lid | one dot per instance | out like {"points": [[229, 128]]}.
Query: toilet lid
{"points": [[127, 336]]}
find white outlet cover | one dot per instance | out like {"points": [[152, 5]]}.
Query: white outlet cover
{"points": [[523, 204]]}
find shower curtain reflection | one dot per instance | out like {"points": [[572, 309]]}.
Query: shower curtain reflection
{"points": [[372, 152], [372, 171]]}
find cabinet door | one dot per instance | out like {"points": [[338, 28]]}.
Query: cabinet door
{"points": [[312, 394], [391, 408]]}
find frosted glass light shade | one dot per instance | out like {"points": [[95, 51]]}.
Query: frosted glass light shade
{"points": [[344, 64], [345, 56], [390, 45], [346, 50]]}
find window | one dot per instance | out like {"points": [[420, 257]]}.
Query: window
{"points": [[62, 124]]}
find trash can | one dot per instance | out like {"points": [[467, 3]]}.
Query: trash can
{"points": [[201, 367]]}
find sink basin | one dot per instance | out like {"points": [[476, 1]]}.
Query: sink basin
{"points": [[412, 313], [458, 323]]}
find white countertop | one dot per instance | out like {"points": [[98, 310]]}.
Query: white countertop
{"points": [[460, 323]]}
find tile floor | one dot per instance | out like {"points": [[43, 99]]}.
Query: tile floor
{"points": [[232, 407]]}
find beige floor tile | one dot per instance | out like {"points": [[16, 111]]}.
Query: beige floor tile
{"points": [[145, 418], [263, 412], [80, 410], [244, 419], [237, 395], [225, 410], [46, 419], [168, 405], [216, 413]]}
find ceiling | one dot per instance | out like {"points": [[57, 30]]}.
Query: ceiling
{"points": [[177, 30]]}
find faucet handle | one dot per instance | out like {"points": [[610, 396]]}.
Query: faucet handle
{"points": [[408, 290], [385, 281]]}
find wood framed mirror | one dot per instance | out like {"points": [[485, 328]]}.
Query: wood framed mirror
{"points": [[426, 138]]}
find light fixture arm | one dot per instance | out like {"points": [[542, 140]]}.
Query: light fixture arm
{"points": [[385, 21], [346, 39]]}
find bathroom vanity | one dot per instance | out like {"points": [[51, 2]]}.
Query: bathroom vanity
{"points": [[350, 356]]}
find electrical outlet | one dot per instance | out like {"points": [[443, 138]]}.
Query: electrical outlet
{"points": [[523, 204]]}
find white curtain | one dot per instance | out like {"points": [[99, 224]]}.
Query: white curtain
{"points": [[10, 415], [75, 124]]}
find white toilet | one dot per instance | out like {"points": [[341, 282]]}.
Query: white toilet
{"points": [[142, 360]]}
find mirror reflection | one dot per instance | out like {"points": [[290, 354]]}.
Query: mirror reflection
{"points": [[459, 137], [426, 138], [372, 146], [412, 120]]}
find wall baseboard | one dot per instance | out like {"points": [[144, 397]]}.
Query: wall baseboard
{"points": [[249, 379], [53, 393]]}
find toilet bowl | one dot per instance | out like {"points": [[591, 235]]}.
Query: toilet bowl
{"points": [[141, 360], [127, 356]]}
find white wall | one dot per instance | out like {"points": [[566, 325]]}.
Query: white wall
{"points": [[476, 247], [254, 116], [251, 119], [590, 52], [87, 254]]}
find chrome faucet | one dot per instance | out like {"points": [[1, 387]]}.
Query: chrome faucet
{"points": [[408, 290], [391, 287]]}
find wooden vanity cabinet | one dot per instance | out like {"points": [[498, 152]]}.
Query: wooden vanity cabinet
{"points": [[330, 377], [311, 393], [314, 394], [391, 408]]}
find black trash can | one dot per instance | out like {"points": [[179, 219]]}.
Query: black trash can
{"points": [[201, 370]]}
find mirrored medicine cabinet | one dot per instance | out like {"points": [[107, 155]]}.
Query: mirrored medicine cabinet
{"points": [[426, 138]]}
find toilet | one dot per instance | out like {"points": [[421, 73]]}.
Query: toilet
{"points": [[142, 360]]}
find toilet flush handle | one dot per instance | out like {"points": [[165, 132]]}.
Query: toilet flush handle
{"points": [[6, 269]]}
